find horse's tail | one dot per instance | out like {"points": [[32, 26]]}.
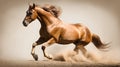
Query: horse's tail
{"points": [[97, 42]]}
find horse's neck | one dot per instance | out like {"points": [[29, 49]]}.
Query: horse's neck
{"points": [[44, 16], [43, 30], [43, 25]]}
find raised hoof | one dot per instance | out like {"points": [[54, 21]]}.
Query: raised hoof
{"points": [[49, 56], [35, 57]]}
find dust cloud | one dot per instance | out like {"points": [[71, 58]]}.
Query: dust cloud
{"points": [[91, 57]]}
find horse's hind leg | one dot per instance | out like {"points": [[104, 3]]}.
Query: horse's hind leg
{"points": [[80, 47], [84, 52]]}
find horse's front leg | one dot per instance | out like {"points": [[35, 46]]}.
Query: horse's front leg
{"points": [[46, 44], [38, 42], [35, 56]]}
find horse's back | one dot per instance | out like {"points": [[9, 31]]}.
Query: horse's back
{"points": [[75, 32], [70, 32]]}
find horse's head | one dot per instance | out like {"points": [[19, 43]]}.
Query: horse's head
{"points": [[31, 15]]}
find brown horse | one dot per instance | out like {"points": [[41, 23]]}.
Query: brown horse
{"points": [[53, 30]]}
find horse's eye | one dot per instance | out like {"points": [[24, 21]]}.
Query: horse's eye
{"points": [[29, 13]]}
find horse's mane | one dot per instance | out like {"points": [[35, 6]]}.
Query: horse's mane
{"points": [[56, 11]]}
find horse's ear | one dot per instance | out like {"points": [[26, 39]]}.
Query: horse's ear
{"points": [[30, 6], [33, 5]]}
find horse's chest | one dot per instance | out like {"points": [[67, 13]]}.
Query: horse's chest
{"points": [[44, 33]]}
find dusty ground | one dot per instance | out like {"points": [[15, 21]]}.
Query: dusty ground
{"points": [[66, 59], [46, 63]]}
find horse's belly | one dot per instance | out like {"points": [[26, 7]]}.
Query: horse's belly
{"points": [[65, 41], [71, 37]]}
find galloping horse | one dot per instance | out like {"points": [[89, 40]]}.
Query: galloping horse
{"points": [[53, 30]]}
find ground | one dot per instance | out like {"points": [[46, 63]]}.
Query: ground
{"points": [[48, 63]]}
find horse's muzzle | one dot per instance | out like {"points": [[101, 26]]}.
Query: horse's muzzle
{"points": [[24, 24]]}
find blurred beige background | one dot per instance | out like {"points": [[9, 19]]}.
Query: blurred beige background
{"points": [[101, 16]]}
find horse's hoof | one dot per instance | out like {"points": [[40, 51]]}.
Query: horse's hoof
{"points": [[50, 56], [35, 57]]}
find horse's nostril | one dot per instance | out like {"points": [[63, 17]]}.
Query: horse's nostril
{"points": [[24, 24]]}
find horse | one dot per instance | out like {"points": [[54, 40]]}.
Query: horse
{"points": [[53, 30]]}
